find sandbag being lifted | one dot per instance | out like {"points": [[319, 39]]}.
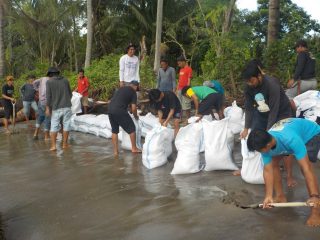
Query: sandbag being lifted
{"points": [[126, 142]]}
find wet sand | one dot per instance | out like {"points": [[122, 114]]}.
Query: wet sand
{"points": [[85, 193]]}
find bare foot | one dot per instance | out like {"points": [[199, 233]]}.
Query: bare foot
{"points": [[64, 146], [47, 139], [7, 132], [291, 183], [116, 154], [136, 150], [314, 218], [236, 173], [53, 149], [280, 199]]}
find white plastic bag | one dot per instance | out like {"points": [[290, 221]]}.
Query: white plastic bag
{"points": [[126, 142], [235, 114], [76, 102], [102, 121], [188, 143], [93, 130], [105, 133], [83, 128], [218, 153], [157, 147], [252, 165]]}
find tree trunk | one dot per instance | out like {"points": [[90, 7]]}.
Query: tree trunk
{"points": [[89, 34], [228, 17], [158, 36], [2, 60], [274, 18], [75, 46]]}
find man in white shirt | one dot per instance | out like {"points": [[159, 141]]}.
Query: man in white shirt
{"points": [[129, 67]]}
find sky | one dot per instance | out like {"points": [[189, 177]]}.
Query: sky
{"points": [[312, 7]]}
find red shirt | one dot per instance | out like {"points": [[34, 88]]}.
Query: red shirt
{"points": [[184, 74], [83, 83]]}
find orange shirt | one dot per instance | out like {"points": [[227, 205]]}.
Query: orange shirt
{"points": [[184, 74], [83, 83]]}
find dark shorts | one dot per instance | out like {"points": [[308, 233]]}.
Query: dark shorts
{"points": [[122, 120], [313, 147], [259, 120], [8, 110], [212, 101], [176, 115]]}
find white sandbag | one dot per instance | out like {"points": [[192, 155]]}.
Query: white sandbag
{"points": [[105, 133], [218, 154], [86, 119], [252, 165], [157, 147], [149, 121], [93, 130], [235, 115], [102, 121], [230, 139], [76, 102], [188, 143], [83, 128], [311, 94], [126, 142], [205, 117]]}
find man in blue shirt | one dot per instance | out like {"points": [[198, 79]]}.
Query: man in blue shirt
{"points": [[291, 136]]}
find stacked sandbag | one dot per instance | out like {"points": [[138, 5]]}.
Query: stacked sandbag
{"points": [[218, 153], [235, 114], [188, 144], [252, 165], [308, 105], [157, 147], [126, 142], [76, 103], [148, 122]]}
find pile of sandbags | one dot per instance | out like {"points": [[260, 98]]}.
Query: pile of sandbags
{"points": [[308, 105], [148, 122]]}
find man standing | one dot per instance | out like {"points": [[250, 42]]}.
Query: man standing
{"points": [[119, 116], [292, 136], [58, 106], [129, 67], [82, 88], [40, 86], [166, 80], [8, 100], [304, 74], [168, 106], [28, 96], [185, 75]]}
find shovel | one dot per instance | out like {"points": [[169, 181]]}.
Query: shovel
{"points": [[278, 205], [14, 118]]}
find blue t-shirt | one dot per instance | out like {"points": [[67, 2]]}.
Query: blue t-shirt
{"points": [[291, 136]]}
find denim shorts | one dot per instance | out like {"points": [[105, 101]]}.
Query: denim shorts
{"points": [[58, 116], [27, 105], [42, 118]]}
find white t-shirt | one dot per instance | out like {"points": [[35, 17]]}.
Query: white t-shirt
{"points": [[129, 68]]}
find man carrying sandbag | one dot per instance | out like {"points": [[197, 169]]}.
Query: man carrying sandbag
{"points": [[205, 100], [291, 136], [119, 116], [168, 106]]}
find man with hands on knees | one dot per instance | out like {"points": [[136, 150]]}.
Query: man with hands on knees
{"points": [[291, 136], [168, 106]]}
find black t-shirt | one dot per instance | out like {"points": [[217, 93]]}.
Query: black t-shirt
{"points": [[169, 101], [8, 91], [121, 99]]}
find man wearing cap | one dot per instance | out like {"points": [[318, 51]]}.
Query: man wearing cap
{"points": [[8, 99], [185, 75], [119, 116], [166, 80], [58, 106], [304, 74], [129, 67]]}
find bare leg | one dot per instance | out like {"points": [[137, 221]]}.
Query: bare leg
{"points": [[293, 106], [115, 144], [36, 133], [288, 162], [5, 123], [277, 184], [46, 135], [176, 123], [65, 135], [188, 113], [133, 143], [314, 218], [53, 141], [85, 109]]}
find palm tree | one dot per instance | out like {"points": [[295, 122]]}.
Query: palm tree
{"points": [[273, 23], [89, 34], [158, 35]]}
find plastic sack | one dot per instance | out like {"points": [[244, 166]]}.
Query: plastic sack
{"points": [[126, 142], [235, 114], [105, 133], [218, 154], [76, 102], [252, 165], [157, 147], [83, 128], [93, 130], [102, 121]]}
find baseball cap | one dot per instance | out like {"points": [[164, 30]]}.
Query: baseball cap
{"points": [[53, 70]]}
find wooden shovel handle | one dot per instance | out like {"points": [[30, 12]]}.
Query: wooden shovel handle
{"points": [[289, 204]]}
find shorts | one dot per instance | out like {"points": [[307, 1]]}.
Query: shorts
{"points": [[61, 115], [84, 101], [8, 110], [185, 102], [305, 85], [176, 114], [212, 101], [42, 118], [121, 120], [313, 147], [27, 105]]}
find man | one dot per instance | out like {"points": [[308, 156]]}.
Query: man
{"points": [[40, 86], [119, 116], [8, 100], [129, 67], [205, 99], [58, 106], [28, 97], [168, 106], [265, 104], [292, 136], [304, 74], [215, 84], [185, 75], [82, 88], [166, 80]]}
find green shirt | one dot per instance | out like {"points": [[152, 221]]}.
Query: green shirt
{"points": [[201, 92]]}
